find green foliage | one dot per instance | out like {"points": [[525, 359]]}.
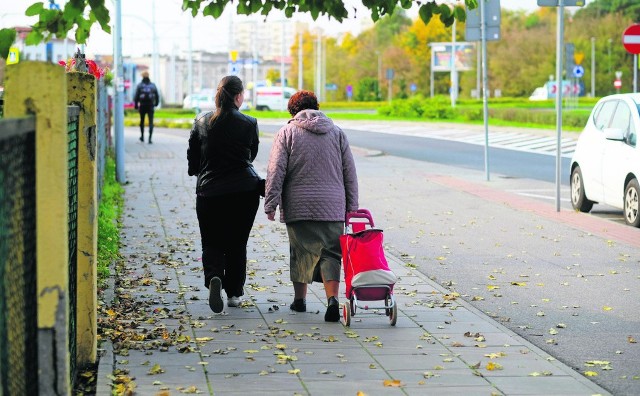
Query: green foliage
{"points": [[57, 23], [367, 90], [7, 37], [109, 214], [438, 108]]}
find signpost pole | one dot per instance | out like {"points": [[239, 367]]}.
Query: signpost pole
{"points": [[635, 73], [485, 107], [559, 46]]}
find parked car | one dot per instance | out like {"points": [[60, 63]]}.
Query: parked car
{"points": [[273, 98], [605, 167], [207, 101]]}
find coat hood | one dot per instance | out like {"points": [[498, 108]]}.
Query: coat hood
{"points": [[313, 121]]}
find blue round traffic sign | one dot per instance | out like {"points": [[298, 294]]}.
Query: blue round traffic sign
{"points": [[578, 71]]}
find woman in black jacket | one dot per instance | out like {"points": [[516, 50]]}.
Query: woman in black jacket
{"points": [[222, 146]]}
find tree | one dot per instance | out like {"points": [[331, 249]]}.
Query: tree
{"points": [[57, 23]]}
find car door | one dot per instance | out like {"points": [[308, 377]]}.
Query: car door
{"points": [[592, 145], [618, 156]]}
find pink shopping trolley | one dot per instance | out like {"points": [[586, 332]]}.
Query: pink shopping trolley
{"points": [[366, 271]]}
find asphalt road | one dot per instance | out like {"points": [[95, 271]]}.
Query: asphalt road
{"points": [[570, 293]]}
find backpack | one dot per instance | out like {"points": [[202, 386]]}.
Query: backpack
{"points": [[148, 94]]}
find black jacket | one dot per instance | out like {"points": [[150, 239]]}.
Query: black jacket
{"points": [[221, 154]]}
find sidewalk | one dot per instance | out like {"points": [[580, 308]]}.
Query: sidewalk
{"points": [[169, 342]]}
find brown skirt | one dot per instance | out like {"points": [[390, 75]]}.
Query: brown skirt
{"points": [[314, 247]]}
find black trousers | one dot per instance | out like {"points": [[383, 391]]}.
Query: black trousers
{"points": [[225, 223], [146, 110]]}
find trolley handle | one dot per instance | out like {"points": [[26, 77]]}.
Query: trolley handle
{"points": [[359, 214]]}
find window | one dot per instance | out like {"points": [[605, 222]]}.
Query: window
{"points": [[622, 118], [603, 115]]}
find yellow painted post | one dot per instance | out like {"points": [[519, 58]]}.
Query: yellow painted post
{"points": [[41, 89], [81, 91]]}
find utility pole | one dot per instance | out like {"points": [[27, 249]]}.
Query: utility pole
{"points": [[593, 67], [118, 107], [154, 56], [300, 68]]}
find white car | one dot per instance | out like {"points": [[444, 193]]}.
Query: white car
{"points": [[204, 102], [605, 167], [207, 101]]}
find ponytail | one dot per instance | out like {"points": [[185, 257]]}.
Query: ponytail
{"points": [[228, 89]]}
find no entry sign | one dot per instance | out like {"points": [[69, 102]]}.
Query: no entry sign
{"points": [[631, 39]]}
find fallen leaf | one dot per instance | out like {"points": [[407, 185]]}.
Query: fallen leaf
{"points": [[392, 383], [590, 373], [491, 366], [294, 371], [631, 340]]}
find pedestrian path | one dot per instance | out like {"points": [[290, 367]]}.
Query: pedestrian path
{"points": [[503, 137], [162, 338]]}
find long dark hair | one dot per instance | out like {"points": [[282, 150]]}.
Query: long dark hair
{"points": [[228, 89]]}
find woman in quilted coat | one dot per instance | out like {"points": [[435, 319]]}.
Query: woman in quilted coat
{"points": [[312, 178]]}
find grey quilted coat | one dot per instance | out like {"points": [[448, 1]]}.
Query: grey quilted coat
{"points": [[311, 173]]}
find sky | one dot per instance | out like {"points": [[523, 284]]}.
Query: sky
{"points": [[172, 25]]}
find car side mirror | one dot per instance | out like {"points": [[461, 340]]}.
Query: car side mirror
{"points": [[614, 134]]}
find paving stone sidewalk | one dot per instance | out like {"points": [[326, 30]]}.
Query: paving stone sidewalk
{"points": [[162, 336]]}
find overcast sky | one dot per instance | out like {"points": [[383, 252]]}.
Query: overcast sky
{"points": [[172, 25]]}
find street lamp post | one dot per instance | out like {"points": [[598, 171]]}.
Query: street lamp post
{"points": [[593, 67]]}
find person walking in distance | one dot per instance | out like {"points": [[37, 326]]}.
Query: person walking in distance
{"points": [[312, 177], [222, 146], [145, 101]]}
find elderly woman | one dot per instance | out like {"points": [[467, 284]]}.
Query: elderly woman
{"points": [[312, 178]]}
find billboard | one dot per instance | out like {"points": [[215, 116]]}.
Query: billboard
{"points": [[441, 56]]}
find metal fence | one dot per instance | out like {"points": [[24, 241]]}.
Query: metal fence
{"points": [[18, 301], [73, 113]]}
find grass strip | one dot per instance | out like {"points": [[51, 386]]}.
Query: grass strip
{"points": [[109, 214]]}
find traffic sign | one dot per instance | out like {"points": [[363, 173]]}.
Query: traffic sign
{"points": [[390, 74], [578, 71], [578, 57], [617, 84], [631, 39], [14, 56]]}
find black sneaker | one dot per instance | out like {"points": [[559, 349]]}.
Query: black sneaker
{"points": [[215, 297], [333, 310], [141, 139], [299, 305]]}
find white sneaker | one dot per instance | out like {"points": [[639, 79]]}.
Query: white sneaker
{"points": [[233, 302]]}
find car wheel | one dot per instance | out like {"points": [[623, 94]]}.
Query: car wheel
{"points": [[631, 193], [578, 198]]}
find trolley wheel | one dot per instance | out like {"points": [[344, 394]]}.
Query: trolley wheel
{"points": [[346, 313], [353, 307], [393, 318], [387, 303]]}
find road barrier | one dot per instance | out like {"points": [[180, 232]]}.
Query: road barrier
{"points": [[52, 149]]}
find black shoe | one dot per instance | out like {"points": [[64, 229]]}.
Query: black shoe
{"points": [[141, 139], [215, 298], [299, 305], [333, 310], [150, 141]]}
